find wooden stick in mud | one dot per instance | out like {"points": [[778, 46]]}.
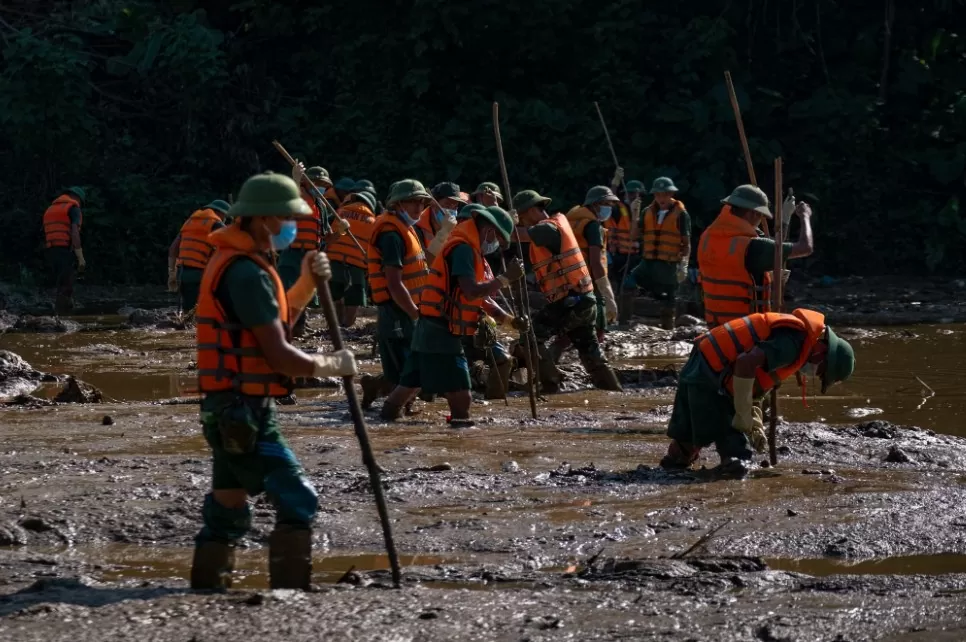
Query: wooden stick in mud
{"points": [[777, 305], [744, 140], [359, 422], [317, 193], [613, 154], [529, 338]]}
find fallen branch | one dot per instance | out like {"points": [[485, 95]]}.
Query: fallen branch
{"points": [[704, 539], [932, 393]]}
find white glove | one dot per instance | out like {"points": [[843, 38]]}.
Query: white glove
{"points": [[340, 363], [785, 275], [788, 208], [321, 266], [340, 226], [436, 245], [514, 217], [682, 271], [298, 171], [618, 177], [81, 263], [610, 303], [745, 416]]}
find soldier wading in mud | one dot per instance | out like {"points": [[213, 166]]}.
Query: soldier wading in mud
{"points": [[245, 360], [736, 363]]}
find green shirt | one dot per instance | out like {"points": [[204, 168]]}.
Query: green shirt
{"points": [[432, 334], [391, 321], [781, 349], [760, 256], [247, 294], [594, 234], [74, 215]]}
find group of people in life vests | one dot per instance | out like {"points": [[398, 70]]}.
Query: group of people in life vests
{"points": [[435, 265]]}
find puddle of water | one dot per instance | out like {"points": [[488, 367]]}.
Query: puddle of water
{"points": [[940, 564]]}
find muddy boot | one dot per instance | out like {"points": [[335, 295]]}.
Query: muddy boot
{"points": [[390, 411], [680, 456], [733, 468], [550, 376], [373, 387], [212, 566], [63, 305], [626, 307], [290, 557], [667, 318], [604, 378], [498, 381]]}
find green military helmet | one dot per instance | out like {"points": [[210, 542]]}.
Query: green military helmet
{"points": [[489, 188], [365, 186], [319, 174], [529, 198], [840, 361], [407, 190], [467, 211], [219, 206], [448, 190], [269, 194], [77, 191], [600, 194], [368, 199], [749, 197], [345, 184], [635, 186], [663, 184], [501, 218]]}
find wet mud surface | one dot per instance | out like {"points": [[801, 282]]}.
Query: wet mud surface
{"points": [[560, 528]]}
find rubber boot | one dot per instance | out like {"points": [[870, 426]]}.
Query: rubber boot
{"points": [[626, 306], [390, 411], [373, 387], [680, 456], [212, 566], [63, 305], [550, 376], [498, 381], [667, 318], [604, 378], [290, 558]]}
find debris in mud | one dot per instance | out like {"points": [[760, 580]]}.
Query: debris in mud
{"points": [[878, 429], [17, 377], [58, 325], [162, 319], [898, 456], [689, 321], [12, 535], [76, 391], [510, 467], [107, 420], [859, 413], [665, 377], [29, 401]]}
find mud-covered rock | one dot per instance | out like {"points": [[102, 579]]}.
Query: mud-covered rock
{"points": [[44, 324], [76, 391], [897, 455], [17, 377], [164, 319]]}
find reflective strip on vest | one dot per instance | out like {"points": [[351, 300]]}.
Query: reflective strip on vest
{"points": [[57, 222], [442, 298], [414, 268], [560, 274], [662, 242], [342, 249], [308, 228], [194, 250]]}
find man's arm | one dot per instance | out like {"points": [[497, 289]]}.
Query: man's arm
{"points": [[174, 249], [282, 357], [397, 290], [684, 222]]}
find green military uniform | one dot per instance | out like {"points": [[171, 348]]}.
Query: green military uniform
{"points": [[349, 282], [394, 328], [594, 233], [62, 264]]}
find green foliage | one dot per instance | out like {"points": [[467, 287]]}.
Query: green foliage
{"points": [[159, 107]]}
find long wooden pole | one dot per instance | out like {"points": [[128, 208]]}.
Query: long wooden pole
{"points": [[777, 305], [744, 140], [362, 435], [529, 338], [317, 193]]}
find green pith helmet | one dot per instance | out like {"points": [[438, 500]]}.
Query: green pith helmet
{"points": [[407, 190], [529, 198], [663, 184], [500, 219], [448, 190], [269, 194], [345, 184], [78, 192], [635, 186], [318, 175], [600, 194], [840, 361], [467, 211], [365, 186], [365, 197], [489, 188], [749, 197], [219, 206]]}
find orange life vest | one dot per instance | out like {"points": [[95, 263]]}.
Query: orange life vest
{"points": [[57, 221], [442, 297], [620, 237], [424, 226], [579, 217], [414, 269], [194, 250], [559, 274], [664, 241], [229, 357], [342, 249], [309, 236], [730, 291], [722, 345]]}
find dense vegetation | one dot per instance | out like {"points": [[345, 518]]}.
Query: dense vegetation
{"points": [[158, 107]]}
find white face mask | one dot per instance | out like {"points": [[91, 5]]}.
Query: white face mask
{"points": [[489, 247]]}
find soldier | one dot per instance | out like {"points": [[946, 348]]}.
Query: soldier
{"points": [[189, 252], [349, 265], [245, 361], [564, 279], [587, 222], [624, 247], [666, 248], [736, 363], [62, 228], [736, 264]]}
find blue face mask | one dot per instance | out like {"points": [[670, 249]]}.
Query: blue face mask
{"points": [[604, 213], [406, 218], [286, 235], [489, 247]]}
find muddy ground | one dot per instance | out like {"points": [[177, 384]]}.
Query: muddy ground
{"points": [[560, 528]]}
